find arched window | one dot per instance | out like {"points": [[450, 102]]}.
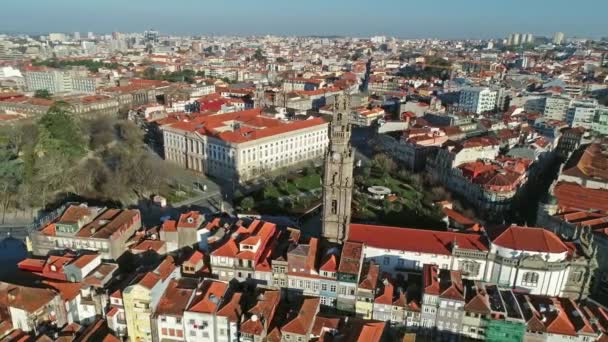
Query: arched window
{"points": [[530, 279]]}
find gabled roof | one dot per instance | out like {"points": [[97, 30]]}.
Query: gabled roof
{"points": [[176, 297], [208, 296], [369, 276], [302, 323], [231, 308], [329, 264], [386, 296]]}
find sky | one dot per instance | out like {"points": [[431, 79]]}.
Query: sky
{"points": [[447, 19]]}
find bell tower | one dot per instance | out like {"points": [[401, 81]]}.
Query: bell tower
{"points": [[338, 176]]}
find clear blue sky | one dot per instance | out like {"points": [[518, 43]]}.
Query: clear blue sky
{"points": [[403, 18]]}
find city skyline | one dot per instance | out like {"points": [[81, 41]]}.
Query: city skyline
{"points": [[455, 20]]}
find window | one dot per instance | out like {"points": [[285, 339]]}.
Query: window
{"points": [[530, 279], [386, 261], [192, 332], [470, 268]]}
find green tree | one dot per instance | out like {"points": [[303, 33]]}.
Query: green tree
{"points": [[43, 94], [258, 55], [247, 203], [59, 133], [11, 176], [384, 164]]}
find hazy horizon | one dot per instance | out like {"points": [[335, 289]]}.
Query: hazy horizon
{"points": [[464, 19]]}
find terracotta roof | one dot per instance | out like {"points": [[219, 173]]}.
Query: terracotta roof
{"points": [[148, 280], [232, 308], [530, 239], [169, 226], [302, 323], [176, 297], [253, 125], [67, 291], [369, 276], [264, 309], [323, 323], [84, 260], [110, 222], [363, 330], [418, 240], [350, 260], [592, 163], [575, 196], [386, 296], [330, 264], [190, 219], [207, 298], [29, 299], [195, 258]]}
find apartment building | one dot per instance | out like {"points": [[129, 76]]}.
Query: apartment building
{"points": [[582, 113], [142, 296], [477, 100], [59, 81]]}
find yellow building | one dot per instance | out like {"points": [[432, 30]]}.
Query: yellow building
{"points": [[137, 300], [366, 291], [140, 299]]}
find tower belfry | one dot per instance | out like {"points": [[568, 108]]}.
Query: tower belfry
{"points": [[338, 176]]}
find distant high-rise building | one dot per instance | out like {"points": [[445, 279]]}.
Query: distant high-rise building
{"points": [[76, 36], [90, 35], [559, 38], [516, 39], [151, 38], [527, 38]]}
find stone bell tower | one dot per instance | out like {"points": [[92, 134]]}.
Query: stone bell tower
{"points": [[338, 176]]}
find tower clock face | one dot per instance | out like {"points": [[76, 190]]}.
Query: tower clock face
{"points": [[336, 156]]}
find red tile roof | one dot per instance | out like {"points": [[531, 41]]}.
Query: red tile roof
{"points": [[302, 323], [253, 126], [175, 299], [232, 308], [530, 239], [575, 196], [418, 240], [207, 298]]}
